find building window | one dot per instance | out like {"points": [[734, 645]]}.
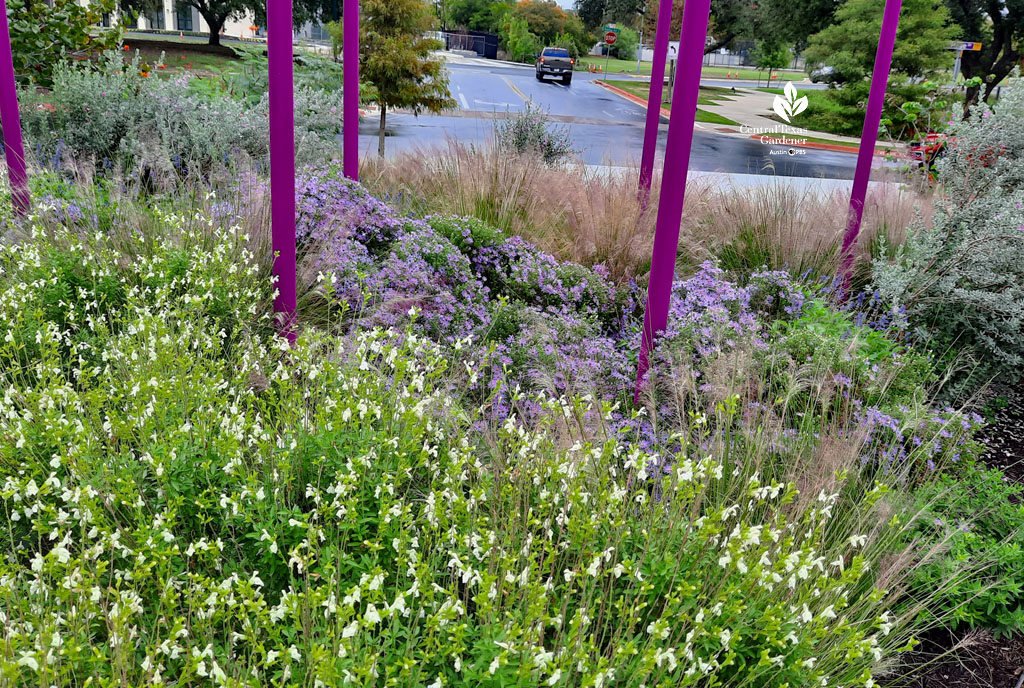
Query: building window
{"points": [[155, 20], [183, 16]]}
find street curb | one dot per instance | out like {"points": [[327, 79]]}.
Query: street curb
{"points": [[665, 112], [879, 152]]}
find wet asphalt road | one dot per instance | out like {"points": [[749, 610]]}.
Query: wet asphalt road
{"points": [[604, 128]]}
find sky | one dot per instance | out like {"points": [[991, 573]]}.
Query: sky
{"points": [[567, 4]]}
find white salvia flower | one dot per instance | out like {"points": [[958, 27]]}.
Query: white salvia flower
{"points": [[828, 612], [293, 652], [372, 615], [554, 677], [350, 630], [376, 581], [437, 683], [272, 656], [725, 636], [28, 660], [495, 665]]}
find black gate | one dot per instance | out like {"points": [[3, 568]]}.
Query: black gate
{"points": [[482, 43]]}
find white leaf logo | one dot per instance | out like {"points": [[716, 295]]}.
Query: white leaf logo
{"points": [[789, 106]]}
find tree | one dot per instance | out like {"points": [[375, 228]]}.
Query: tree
{"points": [[521, 42], [730, 19], [999, 26], [771, 55], [478, 15], [849, 46], [45, 33], [545, 18], [794, 21], [626, 44], [591, 12], [394, 58], [216, 13]]}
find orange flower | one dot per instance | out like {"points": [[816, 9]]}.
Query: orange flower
{"points": [[126, 46]]}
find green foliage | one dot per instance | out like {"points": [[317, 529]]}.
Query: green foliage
{"points": [[961, 280], [545, 18], [521, 44], [528, 132], [325, 510], [45, 34], [999, 26], [217, 12], [772, 55], [626, 44], [479, 15], [158, 130], [979, 517], [849, 45], [394, 57], [864, 363]]}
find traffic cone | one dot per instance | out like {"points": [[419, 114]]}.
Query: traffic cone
{"points": [[181, 35]]}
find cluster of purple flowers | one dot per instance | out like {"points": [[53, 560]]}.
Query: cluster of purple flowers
{"points": [[540, 323]]}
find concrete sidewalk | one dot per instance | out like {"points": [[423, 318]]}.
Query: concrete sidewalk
{"points": [[805, 185], [750, 108]]}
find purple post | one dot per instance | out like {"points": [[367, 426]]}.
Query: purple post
{"points": [[11, 120], [869, 136], [677, 163], [350, 57], [661, 37], [282, 158]]}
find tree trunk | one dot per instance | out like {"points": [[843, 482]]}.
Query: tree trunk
{"points": [[380, 134], [215, 23]]}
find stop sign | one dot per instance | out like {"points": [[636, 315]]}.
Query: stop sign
{"points": [[610, 38]]}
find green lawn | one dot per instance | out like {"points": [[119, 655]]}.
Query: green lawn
{"points": [[825, 114], [629, 67], [709, 95]]}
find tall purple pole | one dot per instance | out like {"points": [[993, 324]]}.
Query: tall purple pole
{"points": [[282, 158], [661, 37], [869, 136], [350, 126], [677, 163], [11, 120]]}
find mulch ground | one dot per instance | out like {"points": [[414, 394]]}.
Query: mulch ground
{"points": [[975, 659]]}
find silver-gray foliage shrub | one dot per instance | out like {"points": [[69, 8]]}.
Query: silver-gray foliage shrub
{"points": [[961, 280], [119, 120]]}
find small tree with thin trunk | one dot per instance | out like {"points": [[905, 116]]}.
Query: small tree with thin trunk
{"points": [[395, 59], [772, 55]]}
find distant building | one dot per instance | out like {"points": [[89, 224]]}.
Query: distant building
{"points": [[176, 16]]}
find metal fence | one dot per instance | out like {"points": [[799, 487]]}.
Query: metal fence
{"points": [[482, 43]]}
